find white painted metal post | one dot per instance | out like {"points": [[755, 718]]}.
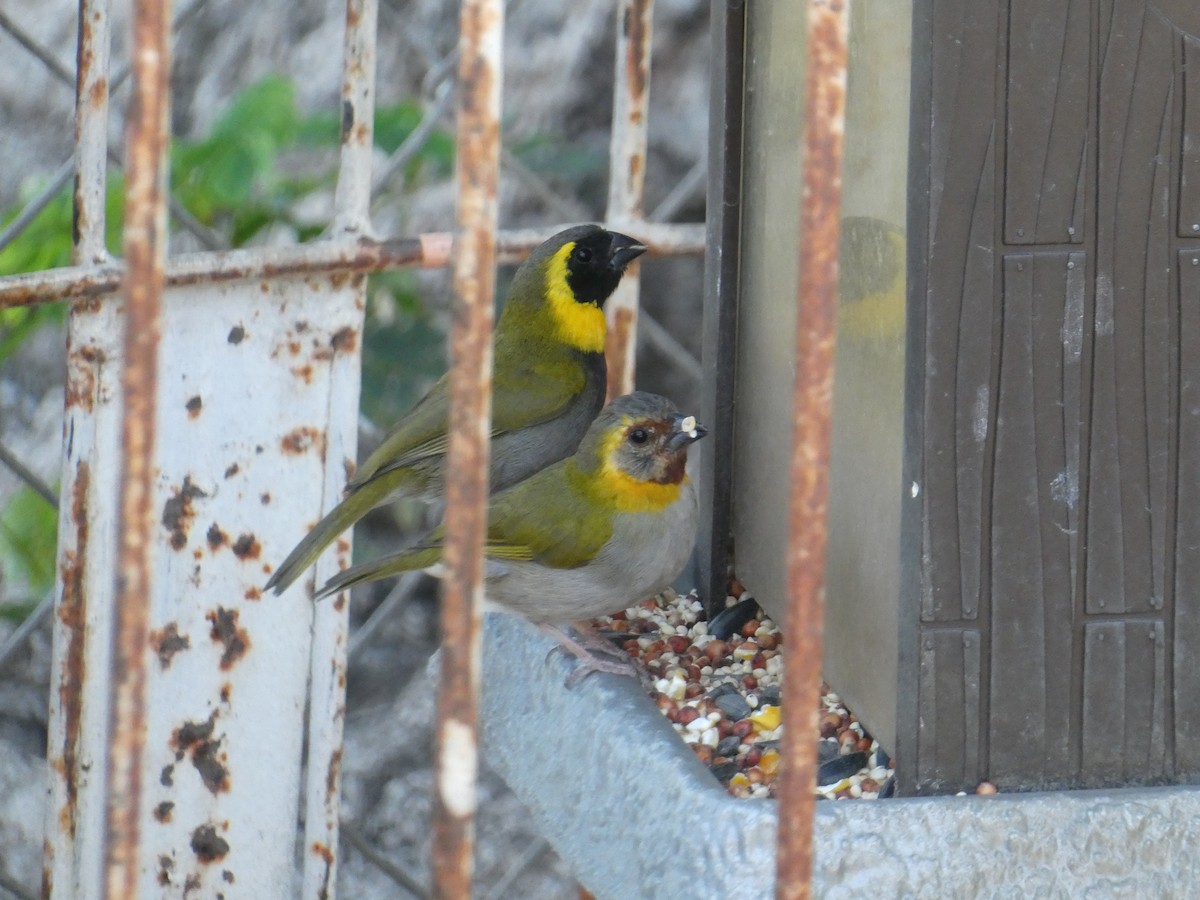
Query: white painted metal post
{"points": [[626, 180]]}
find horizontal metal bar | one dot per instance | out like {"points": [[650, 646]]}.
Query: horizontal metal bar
{"points": [[431, 250]]}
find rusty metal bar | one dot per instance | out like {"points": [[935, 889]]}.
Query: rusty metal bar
{"points": [[91, 133], [812, 397], [627, 179], [481, 32], [331, 621], [145, 243], [431, 250]]}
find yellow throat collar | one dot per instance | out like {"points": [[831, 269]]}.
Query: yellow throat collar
{"points": [[629, 494], [579, 324]]}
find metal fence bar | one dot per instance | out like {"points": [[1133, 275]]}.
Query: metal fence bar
{"points": [[91, 133], [812, 398], [78, 717], [331, 620], [145, 243], [430, 250], [481, 34], [627, 179]]}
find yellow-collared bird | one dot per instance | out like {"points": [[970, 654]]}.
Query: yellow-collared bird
{"points": [[548, 383], [589, 535]]}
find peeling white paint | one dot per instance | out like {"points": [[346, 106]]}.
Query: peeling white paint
{"points": [[459, 763]]}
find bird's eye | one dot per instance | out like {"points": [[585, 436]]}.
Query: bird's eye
{"points": [[639, 435], [583, 254]]}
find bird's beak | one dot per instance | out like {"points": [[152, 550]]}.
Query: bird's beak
{"points": [[623, 251], [687, 431]]}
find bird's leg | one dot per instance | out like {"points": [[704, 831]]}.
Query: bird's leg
{"points": [[588, 661]]}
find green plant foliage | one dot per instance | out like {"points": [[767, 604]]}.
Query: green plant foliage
{"points": [[28, 526]]}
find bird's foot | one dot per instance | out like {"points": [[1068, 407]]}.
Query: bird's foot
{"points": [[593, 654]]}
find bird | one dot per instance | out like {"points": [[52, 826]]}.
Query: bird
{"points": [[548, 384], [587, 536]]}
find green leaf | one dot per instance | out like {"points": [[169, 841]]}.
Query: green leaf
{"points": [[28, 531]]}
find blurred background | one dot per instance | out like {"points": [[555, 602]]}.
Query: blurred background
{"points": [[255, 124]]}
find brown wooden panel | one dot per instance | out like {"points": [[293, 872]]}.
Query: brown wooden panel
{"points": [[1189, 150], [1124, 692], [1034, 491], [1103, 701], [948, 739], [1186, 645], [1047, 100], [1127, 483], [960, 351]]}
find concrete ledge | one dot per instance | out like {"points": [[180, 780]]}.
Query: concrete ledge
{"points": [[628, 806]]}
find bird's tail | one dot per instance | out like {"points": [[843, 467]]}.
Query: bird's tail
{"points": [[341, 517], [411, 560]]}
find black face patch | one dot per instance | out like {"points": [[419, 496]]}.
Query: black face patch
{"points": [[591, 272]]}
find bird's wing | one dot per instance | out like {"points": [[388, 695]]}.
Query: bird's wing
{"points": [[546, 519], [544, 378]]}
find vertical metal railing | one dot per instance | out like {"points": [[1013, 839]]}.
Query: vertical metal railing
{"points": [[145, 244], [812, 402], [457, 759], [627, 179]]}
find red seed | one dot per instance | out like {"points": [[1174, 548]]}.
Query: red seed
{"points": [[742, 728], [693, 690], [869, 785], [863, 744], [687, 714], [716, 650], [678, 643], [749, 682], [750, 627], [703, 752], [619, 616], [693, 672], [759, 662], [756, 776], [724, 728], [649, 603], [768, 641], [752, 757]]}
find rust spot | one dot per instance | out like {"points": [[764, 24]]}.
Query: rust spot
{"points": [[225, 631], [347, 106], [340, 603], [265, 498], [253, 594], [264, 287], [338, 279], [232, 470], [294, 348], [167, 776], [617, 347], [177, 512], [81, 378], [226, 693], [247, 547], [237, 334], [193, 407], [227, 876], [197, 554], [208, 845], [196, 739], [322, 850], [349, 468], [72, 613], [168, 642], [165, 865], [305, 373], [344, 340], [301, 439], [162, 812], [191, 883], [332, 774], [634, 26], [302, 326], [216, 537], [47, 868]]}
